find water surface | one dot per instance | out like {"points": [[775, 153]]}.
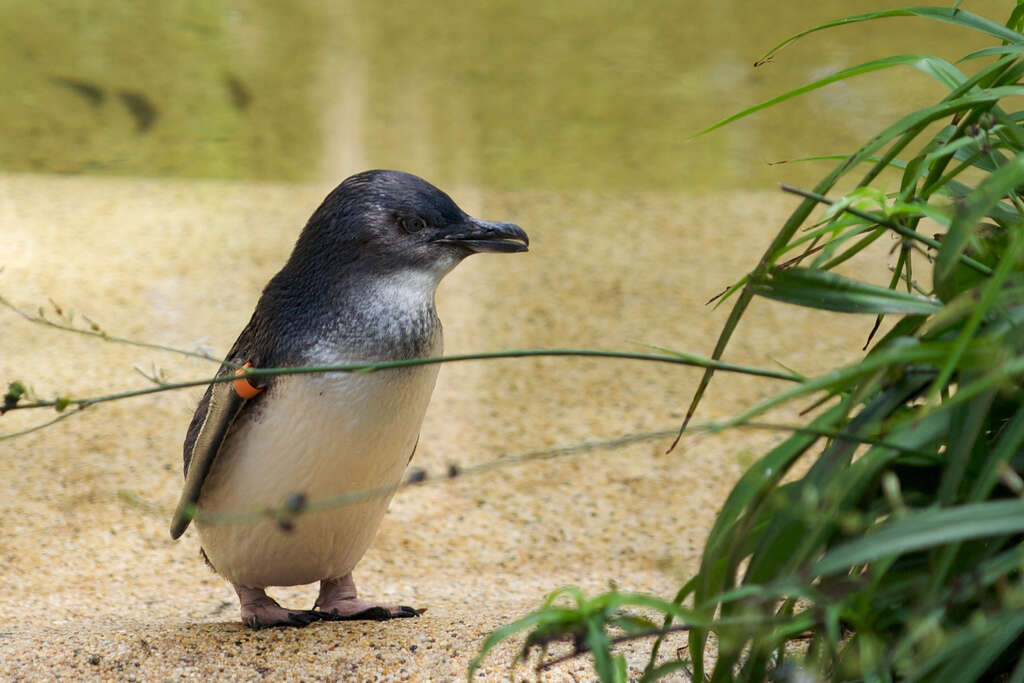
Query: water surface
{"points": [[505, 94]]}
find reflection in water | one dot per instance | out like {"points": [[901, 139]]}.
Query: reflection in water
{"points": [[505, 94]]}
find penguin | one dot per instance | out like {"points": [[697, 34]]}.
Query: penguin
{"points": [[358, 287]]}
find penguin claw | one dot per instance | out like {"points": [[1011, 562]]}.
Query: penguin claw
{"points": [[370, 614], [338, 602], [305, 617], [291, 618], [375, 613]]}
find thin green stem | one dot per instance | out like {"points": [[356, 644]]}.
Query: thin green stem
{"points": [[502, 461], [97, 332], [354, 497], [36, 428], [675, 358]]}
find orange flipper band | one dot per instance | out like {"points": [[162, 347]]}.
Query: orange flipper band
{"points": [[243, 387]]}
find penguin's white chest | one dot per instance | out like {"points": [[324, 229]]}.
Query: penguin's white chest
{"points": [[321, 436]]}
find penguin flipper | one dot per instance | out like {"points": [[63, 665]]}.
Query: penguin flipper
{"points": [[214, 416]]}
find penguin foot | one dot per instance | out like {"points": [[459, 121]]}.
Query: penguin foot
{"points": [[261, 611], [338, 602], [279, 616], [361, 610]]}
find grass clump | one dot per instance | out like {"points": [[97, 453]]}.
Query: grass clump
{"points": [[898, 553]]}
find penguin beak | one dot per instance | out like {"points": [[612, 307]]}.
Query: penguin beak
{"points": [[485, 236]]}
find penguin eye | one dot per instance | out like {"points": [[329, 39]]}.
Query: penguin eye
{"points": [[411, 223]]}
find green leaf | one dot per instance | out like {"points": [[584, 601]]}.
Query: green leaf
{"points": [[1016, 18], [989, 192], [988, 297], [968, 422], [15, 391], [600, 648], [1010, 440], [991, 51], [615, 599], [894, 163], [747, 495], [719, 563], [943, 71], [925, 530], [663, 670], [505, 632], [958, 17], [833, 292], [969, 651]]}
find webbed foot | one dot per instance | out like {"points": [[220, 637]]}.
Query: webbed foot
{"points": [[261, 611], [338, 602]]}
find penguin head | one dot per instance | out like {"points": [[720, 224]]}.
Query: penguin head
{"points": [[388, 220]]}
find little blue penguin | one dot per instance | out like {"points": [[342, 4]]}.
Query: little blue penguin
{"points": [[358, 287]]}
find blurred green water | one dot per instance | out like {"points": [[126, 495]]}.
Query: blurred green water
{"points": [[504, 94]]}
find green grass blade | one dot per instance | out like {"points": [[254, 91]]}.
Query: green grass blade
{"points": [[968, 422], [925, 530], [894, 163], [1002, 376], [1016, 19], [999, 212], [1006, 629], [919, 609], [926, 432], [911, 122], [857, 247], [681, 595], [958, 17], [621, 670], [1017, 676], [616, 600], [1010, 441], [1008, 129], [941, 70], [939, 214], [971, 650], [600, 649], [919, 166], [813, 288], [540, 617], [663, 670], [716, 572], [955, 105], [793, 223], [746, 494], [988, 193], [799, 529], [989, 294], [998, 568], [701, 361], [992, 51], [912, 351], [896, 227]]}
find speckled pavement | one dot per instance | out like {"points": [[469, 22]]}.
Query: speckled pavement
{"points": [[92, 587]]}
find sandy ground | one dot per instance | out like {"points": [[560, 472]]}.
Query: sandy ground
{"points": [[91, 586]]}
